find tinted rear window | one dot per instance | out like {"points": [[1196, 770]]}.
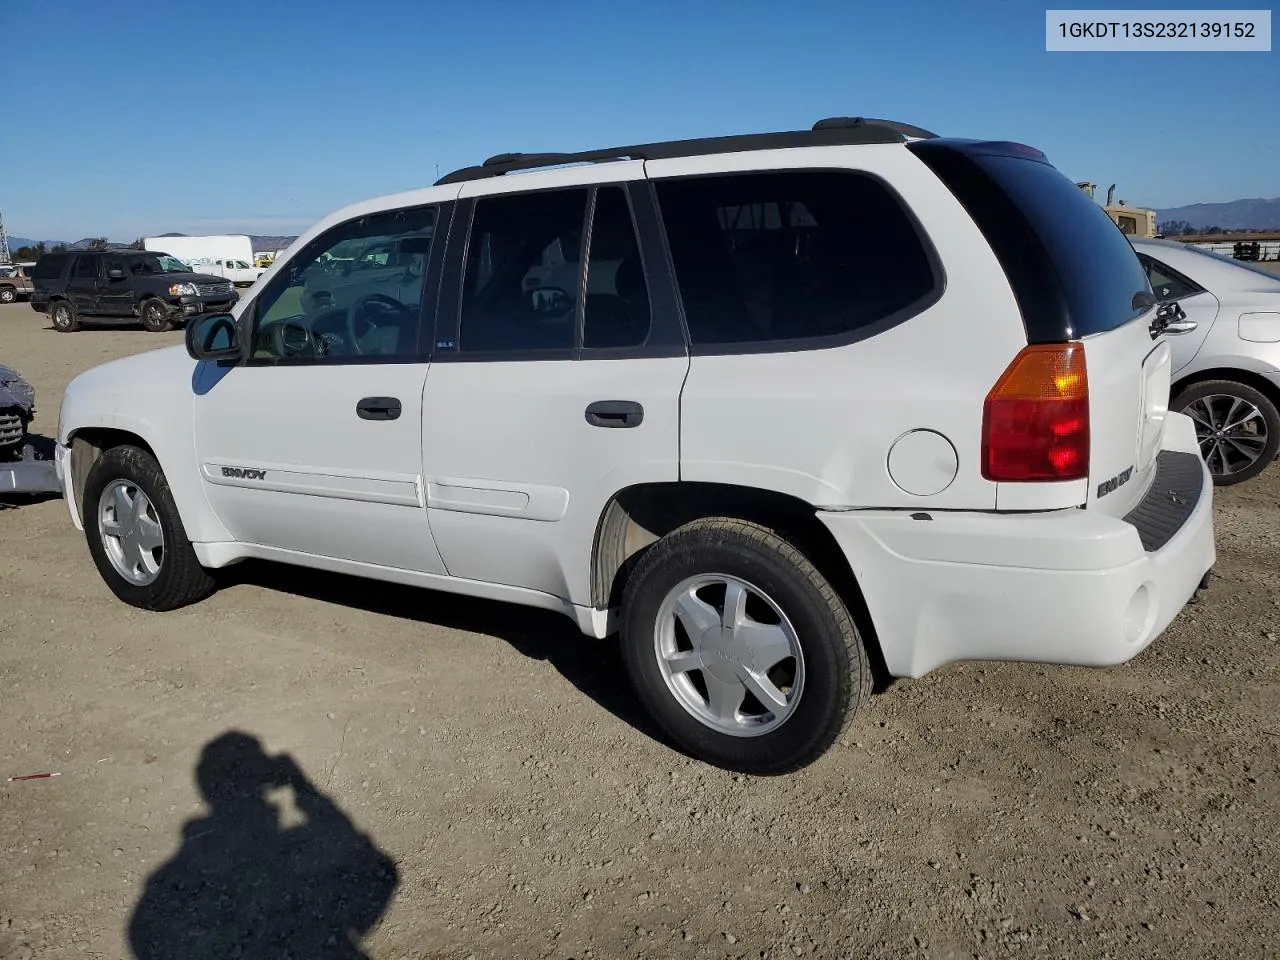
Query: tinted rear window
{"points": [[792, 256], [1072, 270], [49, 266]]}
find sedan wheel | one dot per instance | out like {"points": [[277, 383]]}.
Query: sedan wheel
{"points": [[1237, 426]]}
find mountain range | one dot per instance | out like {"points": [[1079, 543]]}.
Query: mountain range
{"points": [[260, 243], [1256, 214]]}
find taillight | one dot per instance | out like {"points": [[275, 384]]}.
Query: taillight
{"points": [[1035, 422]]}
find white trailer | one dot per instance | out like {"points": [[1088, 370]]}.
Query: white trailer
{"points": [[228, 255]]}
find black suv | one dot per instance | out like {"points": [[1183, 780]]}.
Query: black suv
{"points": [[156, 288]]}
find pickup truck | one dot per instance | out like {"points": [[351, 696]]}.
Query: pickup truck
{"points": [[15, 282], [239, 272]]}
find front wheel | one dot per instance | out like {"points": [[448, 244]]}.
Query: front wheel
{"points": [[135, 535], [155, 316], [740, 649], [1237, 425], [8, 295]]}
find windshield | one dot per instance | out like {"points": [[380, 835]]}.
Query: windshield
{"points": [[1242, 264], [159, 263]]}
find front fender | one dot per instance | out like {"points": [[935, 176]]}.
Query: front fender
{"points": [[148, 397]]}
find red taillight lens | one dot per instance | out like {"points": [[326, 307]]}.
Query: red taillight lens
{"points": [[1035, 422]]}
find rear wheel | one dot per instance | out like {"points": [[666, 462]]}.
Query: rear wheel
{"points": [[8, 295], [740, 649], [136, 536], [155, 316], [1237, 425], [63, 316]]}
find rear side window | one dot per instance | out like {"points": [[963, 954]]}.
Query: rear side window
{"points": [[616, 311], [792, 256], [1166, 282], [522, 284], [1071, 269], [49, 267], [86, 268]]}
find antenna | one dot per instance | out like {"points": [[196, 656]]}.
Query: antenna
{"points": [[4, 241]]}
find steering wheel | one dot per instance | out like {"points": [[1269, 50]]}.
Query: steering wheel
{"points": [[390, 304], [286, 339]]}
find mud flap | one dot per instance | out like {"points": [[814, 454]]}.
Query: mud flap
{"points": [[1203, 588]]}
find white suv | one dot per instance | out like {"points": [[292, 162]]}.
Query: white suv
{"points": [[783, 410]]}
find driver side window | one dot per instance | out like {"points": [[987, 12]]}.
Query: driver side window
{"points": [[355, 291]]}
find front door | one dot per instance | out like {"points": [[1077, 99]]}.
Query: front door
{"points": [[556, 378], [314, 444], [116, 297]]}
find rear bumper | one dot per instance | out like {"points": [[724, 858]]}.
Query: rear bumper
{"points": [[1067, 586]]}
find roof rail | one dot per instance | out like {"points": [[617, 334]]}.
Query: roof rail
{"points": [[832, 131]]}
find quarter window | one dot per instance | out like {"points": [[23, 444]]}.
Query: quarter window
{"points": [[791, 256], [523, 273], [49, 266], [1166, 283], [353, 292]]}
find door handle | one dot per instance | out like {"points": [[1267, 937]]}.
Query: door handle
{"points": [[1181, 326], [378, 408], [615, 413]]}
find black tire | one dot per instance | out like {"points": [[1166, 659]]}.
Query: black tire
{"points": [[155, 315], [1269, 418], [62, 313], [8, 295], [837, 676], [181, 579]]}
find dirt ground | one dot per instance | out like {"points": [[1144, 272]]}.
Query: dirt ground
{"points": [[480, 778]]}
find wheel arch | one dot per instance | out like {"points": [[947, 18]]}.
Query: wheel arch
{"points": [[87, 444], [1258, 381], [637, 516]]}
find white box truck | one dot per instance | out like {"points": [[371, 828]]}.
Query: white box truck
{"points": [[229, 256]]}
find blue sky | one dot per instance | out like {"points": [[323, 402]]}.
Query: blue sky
{"points": [[263, 116]]}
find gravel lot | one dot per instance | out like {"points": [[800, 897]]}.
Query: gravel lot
{"points": [[492, 790]]}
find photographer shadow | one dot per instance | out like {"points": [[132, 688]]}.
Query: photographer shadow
{"points": [[245, 885]]}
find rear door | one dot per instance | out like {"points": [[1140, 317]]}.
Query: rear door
{"points": [[1200, 306], [82, 286], [556, 376], [1076, 277]]}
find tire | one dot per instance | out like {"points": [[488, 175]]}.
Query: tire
{"points": [[829, 680], [1208, 403], [62, 313], [177, 578], [155, 315], [8, 295]]}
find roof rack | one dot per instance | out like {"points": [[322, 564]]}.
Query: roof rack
{"points": [[832, 131]]}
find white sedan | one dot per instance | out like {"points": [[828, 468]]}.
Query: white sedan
{"points": [[1226, 352]]}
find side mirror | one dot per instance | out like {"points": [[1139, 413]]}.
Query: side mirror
{"points": [[115, 274], [213, 336], [549, 302]]}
